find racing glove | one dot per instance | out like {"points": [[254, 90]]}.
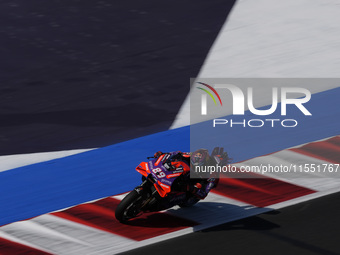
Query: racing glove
{"points": [[220, 156]]}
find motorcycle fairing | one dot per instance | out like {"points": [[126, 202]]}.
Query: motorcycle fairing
{"points": [[164, 177]]}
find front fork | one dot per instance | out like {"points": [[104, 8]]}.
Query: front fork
{"points": [[147, 192]]}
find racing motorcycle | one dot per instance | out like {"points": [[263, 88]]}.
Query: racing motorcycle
{"points": [[163, 186]]}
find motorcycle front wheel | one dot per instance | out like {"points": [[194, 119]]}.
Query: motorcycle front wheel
{"points": [[129, 207]]}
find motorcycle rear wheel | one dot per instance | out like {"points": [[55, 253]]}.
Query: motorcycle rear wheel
{"points": [[129, 207]]}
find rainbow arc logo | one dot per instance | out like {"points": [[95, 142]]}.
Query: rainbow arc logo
{"points": [[239, 99], [209, 93]]}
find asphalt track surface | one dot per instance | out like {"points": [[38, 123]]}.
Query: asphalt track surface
{"points": [[64, 84], [307, 228], [86, 74]]}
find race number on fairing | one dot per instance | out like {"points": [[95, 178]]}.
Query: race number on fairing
{"points": [[158, 172]]}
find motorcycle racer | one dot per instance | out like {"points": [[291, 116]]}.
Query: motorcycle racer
{"points": [[168, 180], [198, 187]]}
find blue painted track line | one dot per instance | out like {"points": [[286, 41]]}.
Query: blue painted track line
{"points": [[44, 187]]}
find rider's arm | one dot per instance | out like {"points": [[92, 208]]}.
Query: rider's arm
{"points": [[220, 156]]}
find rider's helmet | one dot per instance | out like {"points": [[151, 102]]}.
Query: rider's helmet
{"points": [[200, 158]]}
